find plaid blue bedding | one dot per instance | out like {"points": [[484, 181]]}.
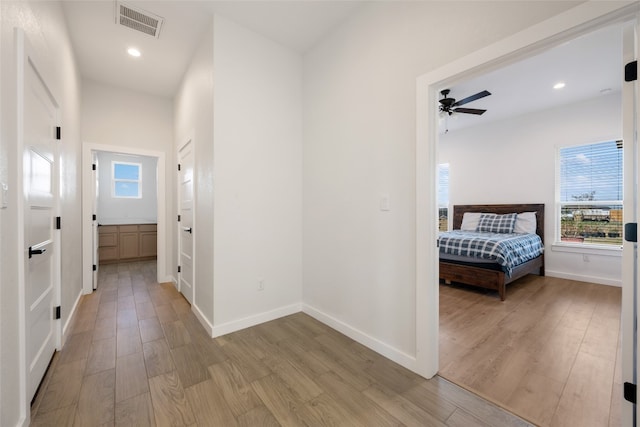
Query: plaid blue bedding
{"points": [[508, 250]]}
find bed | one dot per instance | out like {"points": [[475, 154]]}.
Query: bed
{"points": [[491, 275]]}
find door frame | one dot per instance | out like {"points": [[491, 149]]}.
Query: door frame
{"points": [[88, 194], [579, 20], [25, 54]]}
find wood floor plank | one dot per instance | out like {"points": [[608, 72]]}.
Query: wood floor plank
{"points": [[131, 377], [76, 348], [63, 389], [176, 333], [136, 411], [128, 341], [209, 405], [170, 405], [96, 404], [189, 366], [473, 404], [236, 390], [301, 384], [401, 408], [586, 398], [60, 417], [105, 328], [102, 356], [127, 319], [145, 310], [150, 329], [157, 357], [259, 416], [361, 407], [538, 388], [285, 406]]}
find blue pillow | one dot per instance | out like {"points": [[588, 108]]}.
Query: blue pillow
{"points": [[494, 223]]}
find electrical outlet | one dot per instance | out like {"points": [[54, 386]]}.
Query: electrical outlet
{"points": [[261, 284]]}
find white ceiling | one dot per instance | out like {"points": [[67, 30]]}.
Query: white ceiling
{"points": [[590, 66], [101, 44], [587, 65]]}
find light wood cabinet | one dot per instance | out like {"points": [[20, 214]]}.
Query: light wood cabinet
{"points": [[129, 242]]}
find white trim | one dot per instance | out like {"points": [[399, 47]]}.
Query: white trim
{"points": [[588, 249], [22, 319], [373, 343], [87, 191], [582, 278], [581, 19], [66, 329], [202, 318], [256, 319]]}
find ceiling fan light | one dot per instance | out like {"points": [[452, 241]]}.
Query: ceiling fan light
{"points": [[559, 85]]}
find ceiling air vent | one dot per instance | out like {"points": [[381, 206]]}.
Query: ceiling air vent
{"points": [[138, 19]]}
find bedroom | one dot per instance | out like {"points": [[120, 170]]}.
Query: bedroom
{"points": [[525, 146]]}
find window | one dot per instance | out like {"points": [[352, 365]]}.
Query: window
{"points": [[126, 180], [590, 194], [443, 196]]}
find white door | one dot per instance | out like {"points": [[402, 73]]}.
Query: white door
{"points": [[630, 297], [186, 223], [39, 119]]}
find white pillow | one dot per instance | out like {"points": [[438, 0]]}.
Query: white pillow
{"points": [[470, 221], [525, 223]]}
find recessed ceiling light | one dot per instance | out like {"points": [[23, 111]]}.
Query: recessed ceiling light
{"points": [[559, 85], [133, 52]]}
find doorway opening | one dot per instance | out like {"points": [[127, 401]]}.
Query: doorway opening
{"points": [[429, 86], [128, 208]]}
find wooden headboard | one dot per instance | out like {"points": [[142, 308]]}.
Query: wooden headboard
{"points": [[459, 210]]}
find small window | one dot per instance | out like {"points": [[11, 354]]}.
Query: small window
{"points": [[590, 194], [126, 180], [443, 196]]}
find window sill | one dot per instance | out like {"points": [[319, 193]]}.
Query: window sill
{"points": [[579, 248]]}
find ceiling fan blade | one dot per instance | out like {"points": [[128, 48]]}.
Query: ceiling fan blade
{"points": [[469, 111], [472, 98]]}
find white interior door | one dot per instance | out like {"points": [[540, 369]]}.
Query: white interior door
{"points": [[630, 211], [186, 223], [40, 173]]}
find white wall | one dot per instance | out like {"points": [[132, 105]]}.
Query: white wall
{"points": [[518, 155], [240, 101], [44, 27], [114, 210], [118, 117], [359, 109], [193, 106], [257, 178]]}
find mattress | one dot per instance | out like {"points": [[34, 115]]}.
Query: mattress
{"points": [[507, 250]]}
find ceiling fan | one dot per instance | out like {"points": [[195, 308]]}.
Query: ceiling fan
{"points": [[450, 105]]}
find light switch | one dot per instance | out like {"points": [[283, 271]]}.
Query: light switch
{"points": [[4, 195], [384, 203]]}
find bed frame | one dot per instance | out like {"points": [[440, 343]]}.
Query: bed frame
{"points": [[487, 276]]}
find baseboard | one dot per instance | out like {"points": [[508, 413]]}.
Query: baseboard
{"points": [[581, 278], [372, 343], [202, 319], [72, 313], [247, 322]]}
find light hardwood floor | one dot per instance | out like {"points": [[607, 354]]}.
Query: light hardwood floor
{"points": [[549, 353], [137, 356]]}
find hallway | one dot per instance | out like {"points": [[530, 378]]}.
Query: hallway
{"points": [[138, 356]]}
